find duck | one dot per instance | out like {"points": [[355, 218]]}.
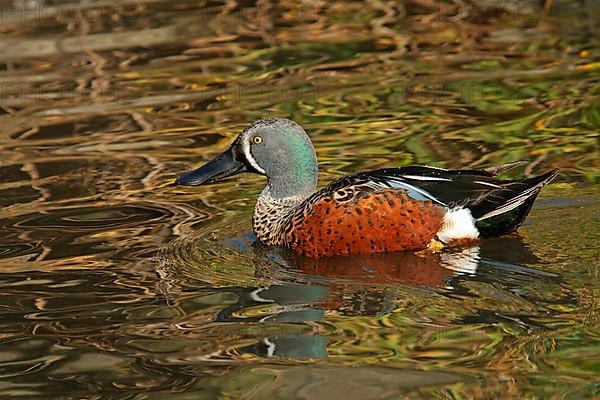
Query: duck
{"points": [[410, 208]]}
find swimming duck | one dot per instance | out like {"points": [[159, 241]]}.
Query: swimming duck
{"points": [[383, 210]]}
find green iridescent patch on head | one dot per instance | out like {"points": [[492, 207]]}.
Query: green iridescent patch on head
{"points": [[302, 153], [286, 155]]}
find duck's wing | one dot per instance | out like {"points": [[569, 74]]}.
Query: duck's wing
{"points": [[406, 208], [498, 206]]}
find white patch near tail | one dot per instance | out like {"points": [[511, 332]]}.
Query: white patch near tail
{"points": [[458, 224]]}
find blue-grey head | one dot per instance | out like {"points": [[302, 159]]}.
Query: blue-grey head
{"points": [[276, 148]]}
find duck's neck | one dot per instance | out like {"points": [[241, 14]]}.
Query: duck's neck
{"points": [[273, 212]]}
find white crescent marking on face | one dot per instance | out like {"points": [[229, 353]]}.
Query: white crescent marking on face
{"points": [[248, 154]]}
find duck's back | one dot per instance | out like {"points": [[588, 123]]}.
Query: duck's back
{"points": [[409, 208]]}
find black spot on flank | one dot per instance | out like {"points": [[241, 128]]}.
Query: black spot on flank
{"points": [[358, 211]]}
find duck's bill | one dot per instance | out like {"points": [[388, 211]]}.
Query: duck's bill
{"points": [[219, 168]]}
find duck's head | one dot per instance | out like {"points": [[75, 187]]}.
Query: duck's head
{"points": [[276, 148]]}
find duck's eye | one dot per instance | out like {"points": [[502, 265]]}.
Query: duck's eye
{"points": [[257, 140]]}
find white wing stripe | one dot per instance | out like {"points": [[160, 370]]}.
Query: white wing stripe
{"points": [[489, 184], [426, 178], [396, 183]]}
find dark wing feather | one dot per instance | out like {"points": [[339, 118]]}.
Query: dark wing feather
{"points": [[499, 206]]}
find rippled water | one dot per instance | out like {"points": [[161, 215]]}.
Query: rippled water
{"points": [[116, 284]]}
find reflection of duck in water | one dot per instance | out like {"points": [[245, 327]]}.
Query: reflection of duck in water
{"points": [[385, 210], [302, 290]]}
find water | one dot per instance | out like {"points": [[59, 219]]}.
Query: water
{"points": [[116, 284]]}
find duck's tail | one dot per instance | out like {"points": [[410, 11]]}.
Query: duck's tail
{"points": [[506, 210]]}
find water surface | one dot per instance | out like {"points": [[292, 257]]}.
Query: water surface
{"points": [[116, 284]]}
